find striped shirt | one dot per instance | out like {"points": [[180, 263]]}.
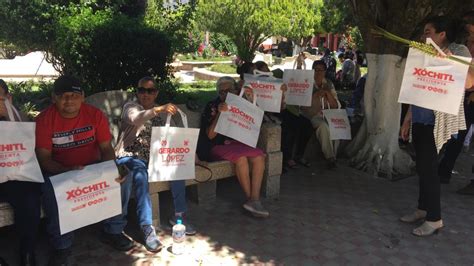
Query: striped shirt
{"points": [[447, 125]]}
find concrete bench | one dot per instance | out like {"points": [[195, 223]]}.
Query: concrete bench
{"points": [[111, 103]]}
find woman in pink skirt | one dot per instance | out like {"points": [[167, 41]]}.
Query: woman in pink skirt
{"points": [[213, 146]]}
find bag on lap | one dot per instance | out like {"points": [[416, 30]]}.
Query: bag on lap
{"points": [[87, 196]]}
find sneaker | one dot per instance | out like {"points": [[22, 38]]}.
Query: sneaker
{"points": [[152, 243], [60, 257], [118, 241], [256, 208], [467, 190], [190, 230]]}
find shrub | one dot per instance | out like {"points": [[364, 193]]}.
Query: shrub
{"points": [[31, 97], [110, 51], [223, 43]]}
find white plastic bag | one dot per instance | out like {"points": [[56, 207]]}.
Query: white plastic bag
{"points": [[243, 120], [300, 86], [17, 150], [432, 82], [87, 196], [173, 151], [338, 122], [267, 90]]}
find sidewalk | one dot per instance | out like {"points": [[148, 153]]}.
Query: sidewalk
{"points": [[322, 217]]}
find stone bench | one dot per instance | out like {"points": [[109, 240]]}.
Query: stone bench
{"points": [[111, 103]]}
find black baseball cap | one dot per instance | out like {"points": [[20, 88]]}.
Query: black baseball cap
{"points": [[67, 84]]}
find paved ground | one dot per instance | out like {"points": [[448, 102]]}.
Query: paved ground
{"points": [[321, 218]]}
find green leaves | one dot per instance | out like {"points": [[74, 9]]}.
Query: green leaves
{"points": [[336, 16], [99, 41], [176, 21], [249, 23]]}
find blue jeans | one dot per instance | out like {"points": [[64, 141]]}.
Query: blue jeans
{"points": [[138, 178]]}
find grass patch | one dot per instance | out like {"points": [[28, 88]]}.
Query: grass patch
{"points": [[224, 68], [194, 58], [200, 93]]}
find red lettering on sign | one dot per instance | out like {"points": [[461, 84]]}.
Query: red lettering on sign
{"points": [[432, 74], [172, 158], [12, 147], [173, 150], [242, 114], [85, 191], [256, 85]]}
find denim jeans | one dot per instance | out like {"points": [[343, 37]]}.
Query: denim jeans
{"points": [[138, 179]]}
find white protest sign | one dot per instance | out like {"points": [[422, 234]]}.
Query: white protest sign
{"points": [[267, 90], [87, 196]]}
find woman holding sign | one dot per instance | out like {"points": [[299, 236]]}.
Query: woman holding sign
{"points": [[427, 139], [224, 148], [324, 93]]}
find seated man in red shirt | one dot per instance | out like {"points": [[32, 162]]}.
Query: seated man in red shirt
{"points": [[70, 135]]}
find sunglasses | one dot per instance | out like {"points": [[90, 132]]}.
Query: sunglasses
{"points": [[227, 91], [141, 90]]}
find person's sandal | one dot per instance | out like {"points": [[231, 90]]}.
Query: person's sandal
{"points": [[413, 217], [426, 229]]}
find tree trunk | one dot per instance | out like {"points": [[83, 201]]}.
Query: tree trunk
{"points": [[375, 148]]}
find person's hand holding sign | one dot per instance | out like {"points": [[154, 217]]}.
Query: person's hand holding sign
{"points": [[470, 74], [222, 107], [167, 108]]}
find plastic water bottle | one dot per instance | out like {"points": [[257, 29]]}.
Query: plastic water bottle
{"points": [[179, 237]]}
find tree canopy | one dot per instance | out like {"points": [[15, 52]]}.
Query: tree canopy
{"points": [[249, 23], [336, 16], [105, 43]]}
